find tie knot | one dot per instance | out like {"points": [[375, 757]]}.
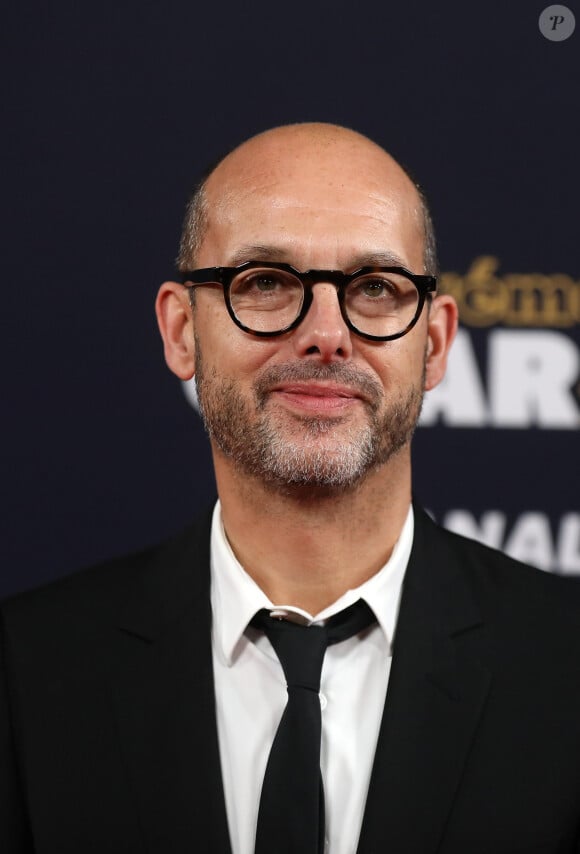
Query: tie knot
{"points": [[300, 649]]}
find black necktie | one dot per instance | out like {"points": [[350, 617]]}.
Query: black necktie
{"points": [[291, 814]]}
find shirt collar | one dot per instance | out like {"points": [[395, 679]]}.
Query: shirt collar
{"points": [[236, 598]]}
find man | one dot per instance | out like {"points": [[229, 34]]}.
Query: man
{"points": [[144, 700]]}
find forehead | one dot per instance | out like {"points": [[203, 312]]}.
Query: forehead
{"points": [[312, 200]]}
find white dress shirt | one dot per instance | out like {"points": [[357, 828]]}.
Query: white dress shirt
{"points": [[251, 692]]}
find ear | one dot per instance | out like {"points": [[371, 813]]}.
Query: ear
{"points": [[442, 326], [175, 319]]}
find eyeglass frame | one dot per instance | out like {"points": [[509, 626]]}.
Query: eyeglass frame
{"points": [[224, 276]]}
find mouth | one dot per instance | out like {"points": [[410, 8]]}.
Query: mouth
{"points": [[317, 397]]}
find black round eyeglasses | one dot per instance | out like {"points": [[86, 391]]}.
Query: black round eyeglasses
{"points": [[377, 303]]}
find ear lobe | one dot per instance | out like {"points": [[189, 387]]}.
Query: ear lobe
{"points": [[442, 326], [175, 320]]}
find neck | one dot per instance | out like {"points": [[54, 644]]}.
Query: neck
{"points": [[307, 548]]}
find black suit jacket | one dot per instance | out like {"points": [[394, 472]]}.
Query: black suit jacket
{"points": [[108, 738]]}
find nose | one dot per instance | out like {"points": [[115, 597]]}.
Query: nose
{"points": [[323, 331]]}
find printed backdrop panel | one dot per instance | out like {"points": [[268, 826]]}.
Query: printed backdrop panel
{"points": [[116, 110]]}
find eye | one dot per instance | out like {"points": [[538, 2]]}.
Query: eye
{"points": [[374, 288], [264, 282], [261, 282]]}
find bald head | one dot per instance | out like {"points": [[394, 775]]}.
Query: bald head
{"points": [[320, 154]]}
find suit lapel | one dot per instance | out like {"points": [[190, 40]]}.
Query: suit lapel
{"points": [[435, 697], [163, 694]]}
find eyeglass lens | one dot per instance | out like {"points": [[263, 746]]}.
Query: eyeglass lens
{"points": [[269, 300]]}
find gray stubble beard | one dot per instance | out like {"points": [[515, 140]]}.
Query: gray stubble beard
{"points": [[262, 449]]}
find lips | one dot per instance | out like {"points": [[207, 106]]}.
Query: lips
{"points": [[318, 390], [313, 383], [316, 396]]}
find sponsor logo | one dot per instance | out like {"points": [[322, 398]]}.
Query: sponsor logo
{"points": [[517, 377], [530, 379], [190, 392], [513, 299], [530, 537]]}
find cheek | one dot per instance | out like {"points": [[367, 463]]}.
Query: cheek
{"points": [[397, 364], [226, 348]]}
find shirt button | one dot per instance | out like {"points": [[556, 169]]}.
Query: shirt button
{"points": [[323, 701]]}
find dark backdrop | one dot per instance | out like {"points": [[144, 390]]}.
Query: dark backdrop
{"points": [[114, 109]]}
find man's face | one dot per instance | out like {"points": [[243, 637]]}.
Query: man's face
{"points": [[319, 406]]}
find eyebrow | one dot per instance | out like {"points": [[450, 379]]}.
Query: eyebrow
{"points": [[378, 259], [258, 252]]}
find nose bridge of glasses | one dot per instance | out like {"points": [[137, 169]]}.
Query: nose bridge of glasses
{"points": [[324, 311], [325, 277], [318, 283], [317, 286]]}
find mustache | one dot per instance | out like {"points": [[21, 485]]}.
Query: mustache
{"points": [[369, 388]]}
